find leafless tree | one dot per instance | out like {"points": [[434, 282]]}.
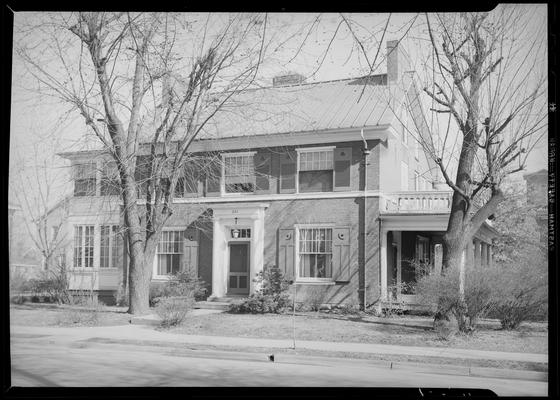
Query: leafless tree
{"points": [[145, 84], [35, 187]]}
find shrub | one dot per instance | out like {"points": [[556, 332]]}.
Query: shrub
{"points": [[521, 292], [441, 292], [173, 310], [52, 286], [271, 297], [183, 283]]}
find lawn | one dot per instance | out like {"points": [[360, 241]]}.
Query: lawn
{"points": [[408, 330], [30, 314]]}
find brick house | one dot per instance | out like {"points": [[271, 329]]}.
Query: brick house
{"points": [[322, 180]]}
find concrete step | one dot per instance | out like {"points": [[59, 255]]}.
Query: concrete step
{"points": [[212, 305]]}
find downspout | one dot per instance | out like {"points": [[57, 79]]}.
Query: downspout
{"points": [[365, 154]]}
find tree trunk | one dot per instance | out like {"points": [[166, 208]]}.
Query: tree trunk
{"points": [[139, 279]]}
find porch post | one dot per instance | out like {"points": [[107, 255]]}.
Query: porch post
{"points": [[490, 255], [383, 251], [219, 276], [477, 251], [483, 258]]}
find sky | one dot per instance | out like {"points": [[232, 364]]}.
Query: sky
{"points": [[41, 126]]}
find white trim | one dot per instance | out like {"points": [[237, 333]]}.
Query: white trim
{"points": [[248, 197], [314, 149], [174, 228], [238, 154]]}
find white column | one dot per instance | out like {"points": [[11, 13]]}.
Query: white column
{"points": [[483, 254], [219, 250], [383, 266], [257, 249]]}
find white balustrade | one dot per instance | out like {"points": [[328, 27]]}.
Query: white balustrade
{"points": [[417, 202]]}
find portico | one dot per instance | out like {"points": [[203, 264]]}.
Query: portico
{"points": [[238, 247]]}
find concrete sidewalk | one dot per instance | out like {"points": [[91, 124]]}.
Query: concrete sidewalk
{"points": [[147, 333]]}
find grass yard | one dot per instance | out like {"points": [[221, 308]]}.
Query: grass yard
{"points": [[53, 315], [530, 338]]}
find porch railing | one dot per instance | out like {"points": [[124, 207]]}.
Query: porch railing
{"points": [[416, 202]]}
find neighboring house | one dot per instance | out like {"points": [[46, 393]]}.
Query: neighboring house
{"points": [[23, 257], [537, 196], [318, 179]]}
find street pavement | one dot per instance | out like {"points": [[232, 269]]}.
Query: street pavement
{"points": [[37, 360], [147, 333]]}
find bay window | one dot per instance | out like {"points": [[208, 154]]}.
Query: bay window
{"points": [[83, 246], [110, 245]]}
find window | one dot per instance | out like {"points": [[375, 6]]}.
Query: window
{"points": [[404, 176], [417, 148], [315, 170], [187, 183], [110, 182], [109, 247], [169, 252], [83, 246], [422, 250], [417, 181], [239, 173], [84, 179], [404, 120], [315, 253]]}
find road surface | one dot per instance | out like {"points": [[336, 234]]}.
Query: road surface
{"points": [[37, 361]]}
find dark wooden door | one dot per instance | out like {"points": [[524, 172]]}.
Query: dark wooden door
{"points": [[238, 277]]}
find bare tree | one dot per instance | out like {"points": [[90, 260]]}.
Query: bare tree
{"points": [[488, 79], [36, 188], [145, 85]]}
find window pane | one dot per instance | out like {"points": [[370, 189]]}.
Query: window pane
{"points": [[315, 247], [316, 181]]}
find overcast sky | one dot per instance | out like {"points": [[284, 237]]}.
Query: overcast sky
{"points": [[39, 126]]}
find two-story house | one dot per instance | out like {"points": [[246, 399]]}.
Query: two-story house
{"points": [[323, 180]]}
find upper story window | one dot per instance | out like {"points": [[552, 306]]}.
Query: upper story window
{"points": [[239, 173], [84, 178], [315, 253], [404, 176], [83, 246], [315, 170], [110, 181]]}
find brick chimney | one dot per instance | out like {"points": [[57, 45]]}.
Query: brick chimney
{"points": [[397, 61], [287, 80]]}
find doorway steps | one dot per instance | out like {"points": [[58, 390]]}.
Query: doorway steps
{"points": [[218, 303]]}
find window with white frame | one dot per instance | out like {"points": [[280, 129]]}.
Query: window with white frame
{"points": [[169, 252], [404, 121], [315, 253], [315, 170], [109, 249], [417, 181], [83, 246], [239, 173]]}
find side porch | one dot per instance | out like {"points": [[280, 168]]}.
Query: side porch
{"points": [[411, 238]]}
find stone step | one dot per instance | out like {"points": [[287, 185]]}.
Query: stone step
{"points": [[212, 305]]}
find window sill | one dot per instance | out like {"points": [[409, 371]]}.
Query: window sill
{"points": [[317, 281]]}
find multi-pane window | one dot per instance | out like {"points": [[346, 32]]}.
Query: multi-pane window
{"points": [[316, 171], [109, 249], [84, 179], [110, 182], [315, 253], [83, 246], [239, 173], [169, 252]]}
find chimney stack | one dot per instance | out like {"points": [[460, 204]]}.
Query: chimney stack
{"points": [[287, 80]]}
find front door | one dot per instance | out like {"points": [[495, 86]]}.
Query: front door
{"points": [[238, 277]]}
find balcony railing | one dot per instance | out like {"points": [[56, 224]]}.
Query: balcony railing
{"points": [[416, 202]]}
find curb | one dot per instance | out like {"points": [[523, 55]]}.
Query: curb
{"points": [[283, 358]]}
